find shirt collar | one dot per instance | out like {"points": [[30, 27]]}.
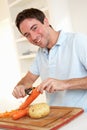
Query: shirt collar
{"points": [[61, 38], [59, 42]]}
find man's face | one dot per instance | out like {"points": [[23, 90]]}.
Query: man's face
{"points": [[36, 32]]}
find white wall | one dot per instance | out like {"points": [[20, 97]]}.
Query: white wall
{"points": [[78, 13], [69, 15], [60, 14], [3, 9]]}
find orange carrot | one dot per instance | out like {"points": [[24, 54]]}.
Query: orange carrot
{"points": [[29, 99], [14, 114], [20, 113], [7, 114]]}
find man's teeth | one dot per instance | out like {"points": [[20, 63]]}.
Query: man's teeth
{"points": [[38, 41]]}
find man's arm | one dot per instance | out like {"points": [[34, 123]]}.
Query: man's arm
{"points": [[77, 83], [25, 82], [52, 85]]}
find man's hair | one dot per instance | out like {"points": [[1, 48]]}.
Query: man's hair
{"points": [[29, 13]]}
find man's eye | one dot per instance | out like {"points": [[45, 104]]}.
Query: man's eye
{"points": [[27, 35], [34, 28]]}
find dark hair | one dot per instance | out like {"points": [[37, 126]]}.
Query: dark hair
{"points": [[29, 13]]}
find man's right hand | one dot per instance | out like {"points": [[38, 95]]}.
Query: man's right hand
{"points": [[19, 91]]}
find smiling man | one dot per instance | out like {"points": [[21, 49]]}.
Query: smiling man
{"points": [[61, 61]]}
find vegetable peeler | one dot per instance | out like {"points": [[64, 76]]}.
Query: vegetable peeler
{"points": [[28, 91]]}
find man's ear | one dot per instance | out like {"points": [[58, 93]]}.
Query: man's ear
{"points": [[46, 22]]}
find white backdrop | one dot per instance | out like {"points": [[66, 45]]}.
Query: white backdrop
{"points": [[9, 67]]}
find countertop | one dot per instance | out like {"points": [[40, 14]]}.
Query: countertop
{"points": [[79, 123]]}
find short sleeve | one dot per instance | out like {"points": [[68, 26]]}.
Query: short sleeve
{"points": [[81, 48], [34, 66]]}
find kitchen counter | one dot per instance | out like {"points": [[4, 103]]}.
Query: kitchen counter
{"points": [[79, 123]]}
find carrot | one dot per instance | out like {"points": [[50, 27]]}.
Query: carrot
{"points": [[29, 99], [7, 114], [14, 114], [20, 113]]}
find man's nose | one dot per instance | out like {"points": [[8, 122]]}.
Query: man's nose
{"points": [[34, 37]]}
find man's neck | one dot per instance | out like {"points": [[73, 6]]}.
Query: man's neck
{"points": [[54, 39]]}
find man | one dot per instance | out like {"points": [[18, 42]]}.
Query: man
{"points": [[61, 61]]}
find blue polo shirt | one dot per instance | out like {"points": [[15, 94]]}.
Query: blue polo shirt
{"points": [[67, 59]]}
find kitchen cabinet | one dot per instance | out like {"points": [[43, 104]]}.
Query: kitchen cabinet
{"points": [[25, 50]]}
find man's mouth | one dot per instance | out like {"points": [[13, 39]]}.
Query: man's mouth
{"points": [[38, 42]]}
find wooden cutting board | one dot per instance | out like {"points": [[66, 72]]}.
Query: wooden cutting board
{"points": [[58, 117]]}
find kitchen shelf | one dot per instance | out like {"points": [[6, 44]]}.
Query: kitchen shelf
{"points": [[21, 39], [27, 56]]}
